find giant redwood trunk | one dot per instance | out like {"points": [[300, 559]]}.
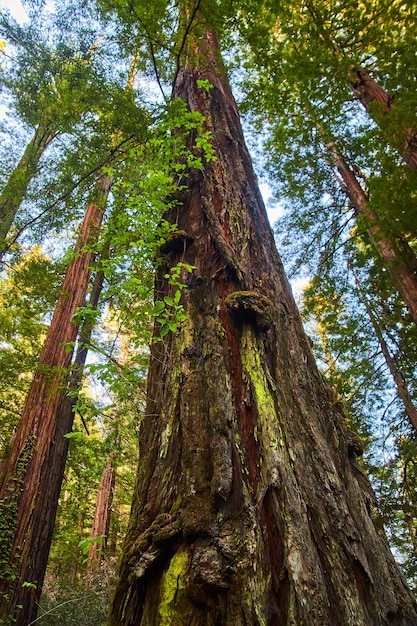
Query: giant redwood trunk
{"points": [[31, 483], [384, 110], [250, 508], [15, 189], [395, 253]]}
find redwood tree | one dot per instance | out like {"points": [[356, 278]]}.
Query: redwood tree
{"points": [[101, 522], [31, 481], [250, 507], [16, 187], [393, 250], [397, 376], [380, 104]]}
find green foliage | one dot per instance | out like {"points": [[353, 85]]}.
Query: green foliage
{"points": [[86, 543], [204, 84], [54, 84], [27, 290], [86, 314], [169, 313], [77, 436], [29, 585], [8, 516]]}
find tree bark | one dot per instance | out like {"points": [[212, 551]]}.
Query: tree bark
{"points": [[32, 480], [16, 187], [397, 256], [101, 523], [249, 506], [382, 107]]}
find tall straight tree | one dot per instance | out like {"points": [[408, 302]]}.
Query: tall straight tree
{"points": [[249, 506], [395, 253], [400, 383], [16, 187], [52, 89], [101, 522], [31, 481]]}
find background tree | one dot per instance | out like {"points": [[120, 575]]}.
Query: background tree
{"points": [[33, 472], [63, 84], [42, 82], [28, 289]]}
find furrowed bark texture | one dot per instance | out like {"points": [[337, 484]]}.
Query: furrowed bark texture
{"points": [[15, 190], [32, 480], [396, 255], [381, 105], [249, 508]]}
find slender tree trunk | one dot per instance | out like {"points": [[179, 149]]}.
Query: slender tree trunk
{"points": [[15, 189], [249, 507], [101, 523], [75, 565], [397, 256], [84, 338], [402, 388], [115, 528], [32, 480], [381, 105]]}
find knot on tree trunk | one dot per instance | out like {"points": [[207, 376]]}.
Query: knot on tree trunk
{"points": [[153, 542], [252, 308], [176, 242], [208, 573], [355, 445]]}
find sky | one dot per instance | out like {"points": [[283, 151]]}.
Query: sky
{"points": [[16, 9]]}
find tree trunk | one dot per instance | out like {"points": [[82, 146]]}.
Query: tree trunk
{"points": [[249, 506], [101, 523], [31, 484], [15, 189], [382, 107], [398, 258], [399, 380]]}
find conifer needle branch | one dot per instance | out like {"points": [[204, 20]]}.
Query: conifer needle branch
{"points": [[155, 67], [68, 192]]}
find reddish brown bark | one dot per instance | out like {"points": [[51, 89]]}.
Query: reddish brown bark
{"points": [[16, 187], [397, 256], [30, 488], [381, 104], [249, 507], [101, 523]]}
